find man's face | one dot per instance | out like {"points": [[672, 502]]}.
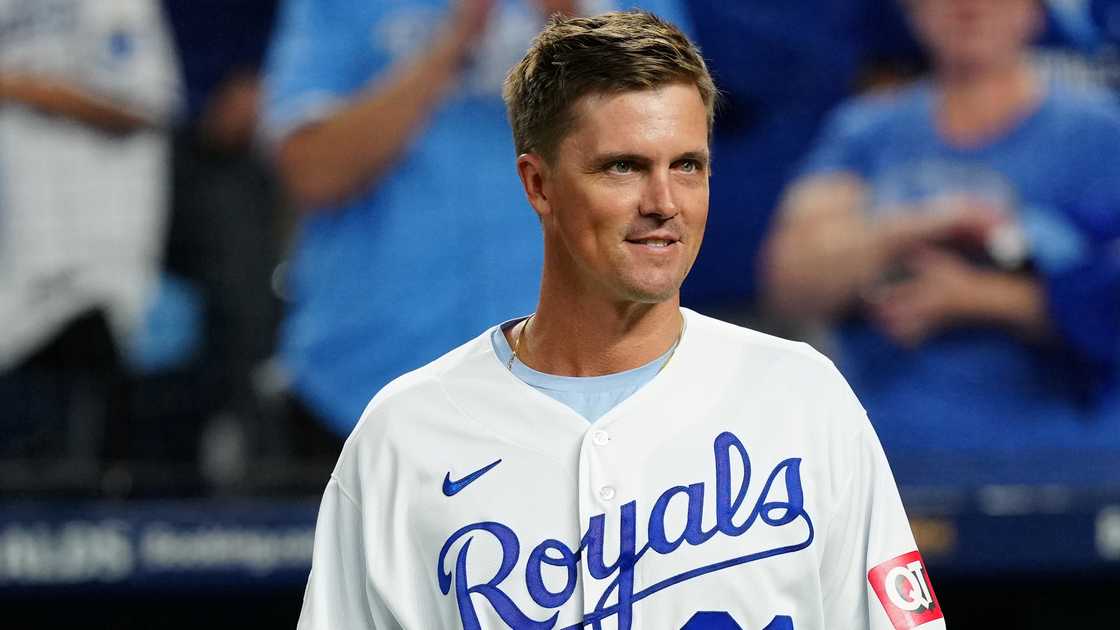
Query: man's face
{"points": [[626, 197], [975, 32]]}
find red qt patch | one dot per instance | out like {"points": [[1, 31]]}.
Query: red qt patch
{"points": [[905, 591]]}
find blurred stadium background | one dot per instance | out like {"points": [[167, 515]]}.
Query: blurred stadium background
{"points": [[171, 486]]}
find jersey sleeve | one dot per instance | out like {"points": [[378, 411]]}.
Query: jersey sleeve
{"points": [[128, 56], [871, 573], [337, 594], [321, 53]]}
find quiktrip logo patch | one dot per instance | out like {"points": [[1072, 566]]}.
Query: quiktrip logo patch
{"points": [[905, 591]]}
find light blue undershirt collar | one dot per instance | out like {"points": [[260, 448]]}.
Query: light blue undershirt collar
{"points": [[589, 396]]}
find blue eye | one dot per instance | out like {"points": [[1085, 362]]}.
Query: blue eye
{"points": [[621, 166], [689, 166]]}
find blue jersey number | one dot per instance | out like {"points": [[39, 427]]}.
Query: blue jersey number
{"points": [[723, 621]]}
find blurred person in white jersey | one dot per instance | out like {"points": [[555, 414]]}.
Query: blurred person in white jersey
{"points": [[87, 88]]}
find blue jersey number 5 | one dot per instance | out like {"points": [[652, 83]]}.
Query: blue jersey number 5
{"points": [[723, 621]]}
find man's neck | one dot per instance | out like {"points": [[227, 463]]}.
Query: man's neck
{"points": [[593, 339], [977, 105]]}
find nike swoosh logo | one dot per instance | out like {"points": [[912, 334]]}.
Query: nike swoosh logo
{"points": [[451, 488]]}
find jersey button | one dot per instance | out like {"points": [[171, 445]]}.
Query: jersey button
{"points": [[606, 493], [600, 438]]}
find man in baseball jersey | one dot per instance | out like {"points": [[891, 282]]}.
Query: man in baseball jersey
{"points": [[615, 461]]}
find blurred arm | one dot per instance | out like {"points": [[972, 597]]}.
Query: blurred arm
{"points": [[330, 160], [943, 291], [826, 254], [825, 257], [230, 115], [71, 102], [822, 251], [131, 89], [1014, 301]]}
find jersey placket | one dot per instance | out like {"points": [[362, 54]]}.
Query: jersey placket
{"points": [[600, 490]]}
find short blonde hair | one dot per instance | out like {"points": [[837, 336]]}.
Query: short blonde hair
{"points": [[608, 53]]}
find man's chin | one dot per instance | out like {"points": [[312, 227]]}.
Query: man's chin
{"points": [[652, 294]]}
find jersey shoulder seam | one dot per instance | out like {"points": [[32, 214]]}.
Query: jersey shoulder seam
{"points": [[344, 492], [754, 337], [430, 374]]}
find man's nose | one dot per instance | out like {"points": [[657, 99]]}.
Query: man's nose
{"points": [[658, 198]]}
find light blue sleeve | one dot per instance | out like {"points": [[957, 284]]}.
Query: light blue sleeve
{"points": [[322, 52], [843, 141]]}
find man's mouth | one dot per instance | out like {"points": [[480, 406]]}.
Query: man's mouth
{"points": [[653, 242], [662, 239]]}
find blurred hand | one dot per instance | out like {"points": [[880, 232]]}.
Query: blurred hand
{"points": [[941, 292], [230, 117], [467, 22], [964, 222], [566, 7], [13, 87]]}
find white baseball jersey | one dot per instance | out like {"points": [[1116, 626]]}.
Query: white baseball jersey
{"points": [[742, 487], [82, 210]]}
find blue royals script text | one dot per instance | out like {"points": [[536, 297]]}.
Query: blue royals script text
{"points": [[771, 512]]}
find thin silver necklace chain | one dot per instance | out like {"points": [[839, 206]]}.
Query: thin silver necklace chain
{"points": [[525, 327]]}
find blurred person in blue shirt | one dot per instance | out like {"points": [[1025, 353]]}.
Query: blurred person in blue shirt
{"points": [[781, 68], [937, 228], [390, 132]]}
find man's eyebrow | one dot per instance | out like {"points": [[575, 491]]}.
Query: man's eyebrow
{"points": [[609, 157], [700, 156]]}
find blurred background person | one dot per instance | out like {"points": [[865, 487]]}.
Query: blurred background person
{"points": [[87, 89], [780, 68], [933, 225], [227, 233], [1083, 42], [390, 133]]}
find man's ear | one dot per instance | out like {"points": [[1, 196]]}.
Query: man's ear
{"points": [[534, 174]]}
